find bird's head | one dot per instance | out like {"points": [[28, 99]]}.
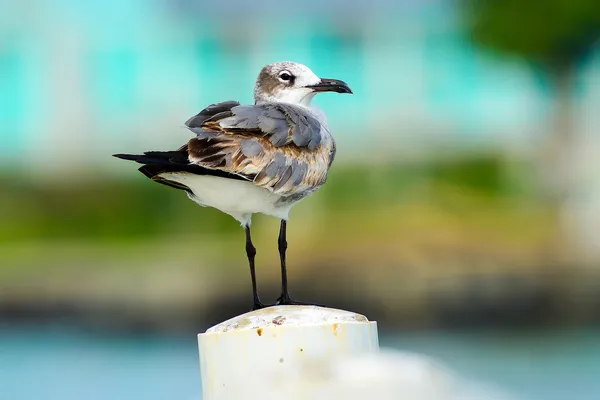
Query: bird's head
{"points": [[290, 82]]}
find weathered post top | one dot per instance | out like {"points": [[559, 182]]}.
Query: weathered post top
{"points": [[287, 316], [260, 348]]}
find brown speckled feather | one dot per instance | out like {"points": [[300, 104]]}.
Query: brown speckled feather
{"points": [[279, 147]]}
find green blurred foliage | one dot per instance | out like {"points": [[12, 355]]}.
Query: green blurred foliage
{"points": [[555, 32], [105, 209], [116, 209], [484, 174]]}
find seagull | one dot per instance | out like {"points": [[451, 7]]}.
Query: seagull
{"points": [[261, 158]]}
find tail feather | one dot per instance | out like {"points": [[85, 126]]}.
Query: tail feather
{"points": [[159, 162], [156, 157], [132, 157]]}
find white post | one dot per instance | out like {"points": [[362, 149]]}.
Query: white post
{"points": [[251, 353]]}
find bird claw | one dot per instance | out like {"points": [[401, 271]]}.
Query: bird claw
{"points": [[287, 301], [258, 305], [282, 301]]}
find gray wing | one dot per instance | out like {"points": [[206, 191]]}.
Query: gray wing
{"points": [[283, 123], [212, 111], [277, 146]]}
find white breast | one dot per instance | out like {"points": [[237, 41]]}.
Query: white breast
{"points": [[237, 198]]}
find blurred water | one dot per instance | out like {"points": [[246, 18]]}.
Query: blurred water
{"points": [[68, 364], [548, 365], [59, 364]]}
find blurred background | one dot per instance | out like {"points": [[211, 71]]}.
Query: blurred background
{"points": [[461, 213]]}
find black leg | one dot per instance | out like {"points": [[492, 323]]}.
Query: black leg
{"points": [[285, 298], [282, 246], [251, 253]]}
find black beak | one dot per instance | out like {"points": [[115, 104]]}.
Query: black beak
{"points": [[331, 85]]}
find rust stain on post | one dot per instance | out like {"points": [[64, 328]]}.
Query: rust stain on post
{"points": [[335, 328], [259, 331]]}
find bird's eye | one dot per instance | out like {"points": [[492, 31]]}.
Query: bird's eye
{"points": [[285, 76]]}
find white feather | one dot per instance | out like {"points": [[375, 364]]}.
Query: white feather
{"points": [[237, 198]]}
